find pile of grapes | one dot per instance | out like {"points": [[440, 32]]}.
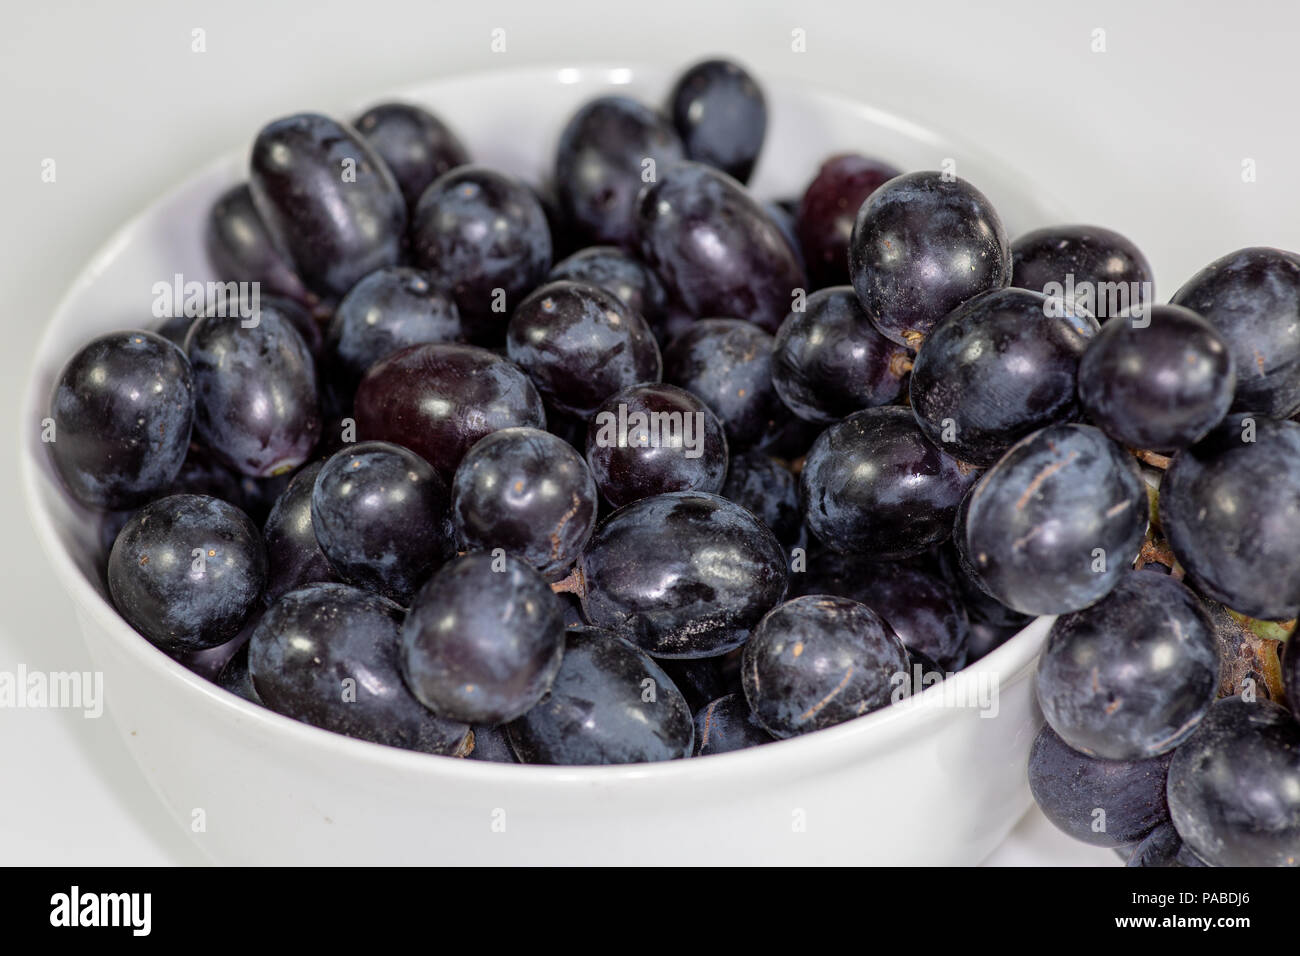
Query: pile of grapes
{"points": [[630, 466]]}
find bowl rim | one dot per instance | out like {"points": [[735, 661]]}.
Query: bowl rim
{"points": [[909, 717]]}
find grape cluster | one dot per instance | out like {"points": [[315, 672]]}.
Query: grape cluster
{"points": [[633, 465]]}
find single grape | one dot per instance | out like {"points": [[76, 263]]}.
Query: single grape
{"points": [[241, 250], [617, 271], [652, 439], [483, 236], [580, 344], [329, 202], [381, 516], [874, 484], [1131, 676], [600, 162], [416, 145], [294, 557], [235, 677], [256, 403], [727, 724], [529, 492], [996, 369], [1107, 803], [483, 639], [1230, 506], [610, 704], [1234, 787], [828, 209], [1252, 298], [817, 661], [716, 250], [682, 575], [186, 571], [385, 312], [1159, 381], [328, 655], [439, 399], [922, 245], [721, 116], [828, 360], [727, 364], [1098, 271], [921, 608], [1054, 525], [769, 489], [121, 413]]}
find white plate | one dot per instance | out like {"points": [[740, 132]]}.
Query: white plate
{"points": [[923, 781]]}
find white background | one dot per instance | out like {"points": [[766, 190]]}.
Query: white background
{"points": [[1148, 137]]}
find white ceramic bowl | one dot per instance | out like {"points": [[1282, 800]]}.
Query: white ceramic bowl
{"points": [[920, 782]]}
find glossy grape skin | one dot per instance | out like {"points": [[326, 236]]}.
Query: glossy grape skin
{"points": [[580, 344], [921, 608], [256, 404], [477, 230], [1041, 260], [529, 492], [1069, 787], [294, 557], [122, 410], [996, 369], [416, 146], [682, 575], [1161, 386], [1131, 676], [716, 250], [727, 724], [828, 361], [636, 465], [598, 165], [619, 272], [770, 490], [241, 250], [380, 513], [921, 246], [1035, 521], [721, 115], [439, 399], [483, 639], [1252, 298], [819, 660], [492, 745], [1231, 511], [177, 599], [874, 484], [828, 210], [1234, 787], [727, 364], [387, 311], [597, 710], [328, 655], [332, 229]]}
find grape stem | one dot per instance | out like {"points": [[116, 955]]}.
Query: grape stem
{"points": [[575, 583], [1151, 458]]}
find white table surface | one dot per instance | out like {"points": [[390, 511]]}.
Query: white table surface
{"points": [[1148, 137]]}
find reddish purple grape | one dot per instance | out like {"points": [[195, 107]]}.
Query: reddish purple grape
{"points": [[828, 209]]}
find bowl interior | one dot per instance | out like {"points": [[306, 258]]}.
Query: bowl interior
{"points": [[511, 120]]}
